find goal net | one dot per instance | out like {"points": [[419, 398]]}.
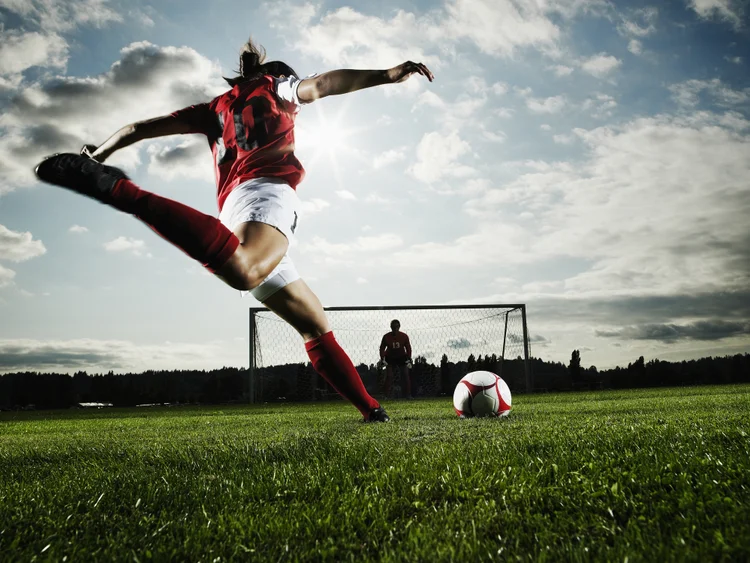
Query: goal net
{"points": [[447, 343]]}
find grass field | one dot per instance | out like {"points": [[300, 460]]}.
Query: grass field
{"points": [[657, 475]]}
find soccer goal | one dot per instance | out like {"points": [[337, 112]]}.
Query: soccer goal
{"points": [[447, 342]]}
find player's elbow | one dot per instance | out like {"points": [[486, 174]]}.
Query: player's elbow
{"points": [[136, 131]]}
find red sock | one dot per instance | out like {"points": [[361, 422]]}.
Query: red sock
{"points": [[200, 236], [334, 365]]}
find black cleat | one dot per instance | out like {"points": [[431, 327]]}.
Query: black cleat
{"points": [[81, 174], [378, 414]]}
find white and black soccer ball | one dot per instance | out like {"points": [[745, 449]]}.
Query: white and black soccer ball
{"points": [[481, 393]]}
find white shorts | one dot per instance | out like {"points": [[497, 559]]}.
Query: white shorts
{"points": [[273, 202]]}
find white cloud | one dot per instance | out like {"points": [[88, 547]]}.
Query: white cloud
{"points": [[488, 245], [562, 70], [553, 104], [64, 15], [376, 198], [63, 113], [640, 23], [10, 83], [341, 252], [689, 93], [499, 88], [346, 195], [78, 229], [143, 18], [478, 85], [18, 247], [563, 139], [542, 286], [313, 206], [503, 113], [438, 157], [453, 115], [545, 127], [734, 60], [361, 281], [101, 356], [494, 137], [645, 228], [635, 47], [389, 157], [6, 276], [20, 51], [126, 244], [379, 243], [188, 159], [525, 92], [499, 28], [723, 9], [600, 65], [601, 106], [345, 37], [472, 187]]}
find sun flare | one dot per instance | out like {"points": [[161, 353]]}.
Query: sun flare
{"points": [[329, 137], [325, 136]]}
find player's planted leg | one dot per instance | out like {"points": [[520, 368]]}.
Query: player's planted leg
{"points": [[300, 307]]}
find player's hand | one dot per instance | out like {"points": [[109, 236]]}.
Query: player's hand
{"points": [[382, 363], [405, 70], [89, 150], [409, 363]]}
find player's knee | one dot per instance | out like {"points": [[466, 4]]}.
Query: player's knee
{"points": [[250, 271], [255, 273]]}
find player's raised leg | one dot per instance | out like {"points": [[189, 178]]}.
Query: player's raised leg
{"points": [[300, 307], [200, 236], [242, 260]]}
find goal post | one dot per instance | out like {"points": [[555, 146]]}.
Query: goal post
{"points": [[447, 342]]}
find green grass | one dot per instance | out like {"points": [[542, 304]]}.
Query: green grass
{"points": [[656, 475]]}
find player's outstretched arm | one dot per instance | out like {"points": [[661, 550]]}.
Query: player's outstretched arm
{"points": [[344, 81], [148, 129]]}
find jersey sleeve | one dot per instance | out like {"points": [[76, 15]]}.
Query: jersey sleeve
{"points": [[199, 118], [286, 90]]}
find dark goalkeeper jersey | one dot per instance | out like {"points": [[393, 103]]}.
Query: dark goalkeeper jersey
{"points": [[395, 347]]}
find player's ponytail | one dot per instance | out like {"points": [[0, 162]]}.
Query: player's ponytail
{"points": [[252, 64], [251, 58]]}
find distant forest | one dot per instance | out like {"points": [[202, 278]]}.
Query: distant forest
{"points": [[298, 382]]}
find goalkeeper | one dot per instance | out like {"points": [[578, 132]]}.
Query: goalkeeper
{"points": [[395, 351]]}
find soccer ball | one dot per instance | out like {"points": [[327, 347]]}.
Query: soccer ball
{"points": [[481, 393]]}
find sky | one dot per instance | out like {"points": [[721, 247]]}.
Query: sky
{"points": [[588, 158]]}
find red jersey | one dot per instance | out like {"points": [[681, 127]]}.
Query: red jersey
{"points": [[395, 346], [251, 134]]}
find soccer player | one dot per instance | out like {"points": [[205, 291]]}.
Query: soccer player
{"points": [[395, 351], [250, 131]]}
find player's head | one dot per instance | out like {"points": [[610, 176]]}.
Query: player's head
{"points": [[253, 65], [395, 325]]}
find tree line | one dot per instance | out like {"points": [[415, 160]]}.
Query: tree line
{"points": [[299, 382]]}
